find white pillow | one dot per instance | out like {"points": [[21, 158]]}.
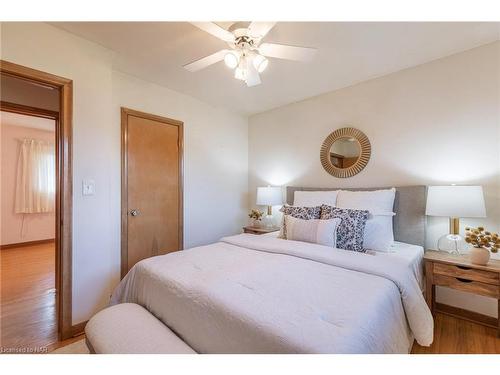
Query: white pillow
{"points": [[378, 234], [322, 232], [376, 201], [315, 198]]}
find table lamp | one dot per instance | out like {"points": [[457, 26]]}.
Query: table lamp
{"points": [[454, 202], [269, 196]]}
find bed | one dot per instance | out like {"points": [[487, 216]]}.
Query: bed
{"points": [[262, 294], [411, 255]]}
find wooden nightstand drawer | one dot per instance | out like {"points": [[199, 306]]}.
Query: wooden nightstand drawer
{"points": [[458, 272], [467, 285], [467, 273]]}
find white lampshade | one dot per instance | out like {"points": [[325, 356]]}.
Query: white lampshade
{"points": [[269, 196], [455, 201]]}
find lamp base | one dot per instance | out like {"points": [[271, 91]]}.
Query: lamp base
{"points": [[268, 221], [452, 243]]}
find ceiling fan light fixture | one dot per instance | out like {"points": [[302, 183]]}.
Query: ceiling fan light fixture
{"points": [[260, 63], [240, 73], [247, 55], [231, 59]]}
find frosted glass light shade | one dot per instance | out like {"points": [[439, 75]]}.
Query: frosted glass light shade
{"points": [[269, 196], [240, 73], [260, 63], [455, 201], [231, 59]]}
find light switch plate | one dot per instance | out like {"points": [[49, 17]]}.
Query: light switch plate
{"points": [[88, 187]]}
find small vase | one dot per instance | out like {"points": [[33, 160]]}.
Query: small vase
{"points": [[479, 255]]}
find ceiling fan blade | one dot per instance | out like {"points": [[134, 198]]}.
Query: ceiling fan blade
{"points": [[215, 30], [260, 29], [206, 61], [283, 51], [252, 78]]}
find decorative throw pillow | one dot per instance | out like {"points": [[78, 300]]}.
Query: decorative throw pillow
{"points": [[322, 232], [351, 229], [305, 213], [378, 234]]}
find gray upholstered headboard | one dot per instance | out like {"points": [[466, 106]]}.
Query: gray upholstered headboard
{"points": [[409, 206]]}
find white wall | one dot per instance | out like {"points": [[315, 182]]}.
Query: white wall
{"points": [[215, 158], [215, 154], [437, 123], [46, 48]]}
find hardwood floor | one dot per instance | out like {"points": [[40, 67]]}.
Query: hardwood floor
{"points": [[28, 297], [458, 336]]}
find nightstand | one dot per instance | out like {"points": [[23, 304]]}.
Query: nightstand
{"points": [[259, 230], [457, 272]]}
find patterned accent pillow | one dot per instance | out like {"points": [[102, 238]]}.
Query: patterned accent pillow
{"points": [[305, 213], [351, 229]]}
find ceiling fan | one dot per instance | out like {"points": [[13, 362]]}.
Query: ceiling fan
{"points": [[247, 54]]}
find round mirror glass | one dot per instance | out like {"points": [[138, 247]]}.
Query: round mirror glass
{"points": [[345, 152]]}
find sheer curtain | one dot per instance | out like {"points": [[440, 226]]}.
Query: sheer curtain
{"points": [[36, 177]]}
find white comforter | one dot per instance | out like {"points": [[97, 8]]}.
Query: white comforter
{"points": [[258, 294]]}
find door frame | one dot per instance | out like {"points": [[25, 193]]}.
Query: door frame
{"points": [[125, 112], [64, 182]]}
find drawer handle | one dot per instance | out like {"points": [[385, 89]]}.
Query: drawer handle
{"points": [[463, 280], [463, 267]]}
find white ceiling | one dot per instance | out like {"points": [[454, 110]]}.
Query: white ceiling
{"points": [[347, 53], [15, 119]]}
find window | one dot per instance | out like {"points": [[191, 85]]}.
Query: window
{"points": [[36, 179]]}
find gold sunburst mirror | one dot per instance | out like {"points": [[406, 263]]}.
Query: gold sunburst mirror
{"points": [[345, 152]]}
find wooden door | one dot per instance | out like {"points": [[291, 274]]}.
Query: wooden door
{"points": [[151, 186]]}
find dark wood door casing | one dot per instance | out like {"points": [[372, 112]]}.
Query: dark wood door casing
{"points": [[64, 183]]}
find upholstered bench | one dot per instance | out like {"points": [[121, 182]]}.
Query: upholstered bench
{"points": [[128, 328]]}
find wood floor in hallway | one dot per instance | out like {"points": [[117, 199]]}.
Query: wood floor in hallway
{"points": [[28, 297]]}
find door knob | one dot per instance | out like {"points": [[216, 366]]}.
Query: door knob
{"points": [[134, 212]]}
